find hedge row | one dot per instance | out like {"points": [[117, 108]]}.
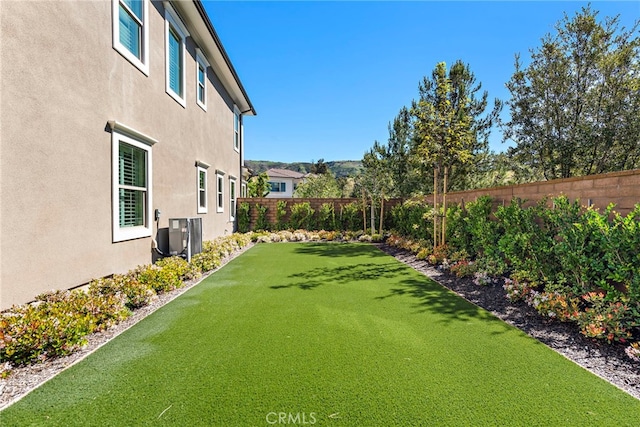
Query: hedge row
{"points": [[570, 263], [301, 215], [57, 323]]}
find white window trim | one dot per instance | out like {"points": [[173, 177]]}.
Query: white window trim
{"points": [[171, 20], [142, 65], [237, 112], [243, 189], [126, 134], [201, 61], [219, 191], [233, 198], [202, 167]]}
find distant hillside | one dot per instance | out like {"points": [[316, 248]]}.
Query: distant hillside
{"points": [[339, 168]]}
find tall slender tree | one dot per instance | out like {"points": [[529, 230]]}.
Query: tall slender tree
{"points": [[450, 128]]}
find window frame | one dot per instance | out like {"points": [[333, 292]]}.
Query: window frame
{"points": [[219, 192], [282, 186], [201, 61], [233, 198], [173, 23], [237, 128], [142, 62], [201, 168], [123, 134]]}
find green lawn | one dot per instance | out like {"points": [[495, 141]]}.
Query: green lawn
{"points": [[334, 335]]}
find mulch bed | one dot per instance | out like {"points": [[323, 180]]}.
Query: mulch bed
{"points": [[609, 362]]}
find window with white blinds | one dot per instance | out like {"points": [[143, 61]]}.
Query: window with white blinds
{"points": [[132, 177], [130, 31], [131, 187]]}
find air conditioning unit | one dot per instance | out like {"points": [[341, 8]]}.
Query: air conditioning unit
{"points": [[185, 237]]}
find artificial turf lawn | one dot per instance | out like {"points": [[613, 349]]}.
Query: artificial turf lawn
{"points": [[333, 334]]}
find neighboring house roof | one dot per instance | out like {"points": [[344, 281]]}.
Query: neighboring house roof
{"points": [[284, 173], [207, 39]]}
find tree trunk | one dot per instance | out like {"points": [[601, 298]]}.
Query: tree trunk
{"points": [[364, 214], [435, 208], [373, 220], [381, 211], [444, 205]]}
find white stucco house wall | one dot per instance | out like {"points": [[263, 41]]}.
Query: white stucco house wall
{"points": [[283, 182]]}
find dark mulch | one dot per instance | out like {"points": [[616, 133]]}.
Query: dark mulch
{"points": [[607, 361]]}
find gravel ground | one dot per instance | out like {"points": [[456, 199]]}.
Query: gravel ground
{"points": [[607, 361]]}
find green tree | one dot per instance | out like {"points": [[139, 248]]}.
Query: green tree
{"points": [[258, 186], [319, 167], [574, 108], [376, 180], [450, 127], [318, 186]]}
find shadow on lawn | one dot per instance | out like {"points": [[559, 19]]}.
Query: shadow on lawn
{"points": [[339, 250], [319, 276], [434, 298]]}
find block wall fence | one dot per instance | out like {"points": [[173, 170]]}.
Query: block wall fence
{"points": [[620, 188]]}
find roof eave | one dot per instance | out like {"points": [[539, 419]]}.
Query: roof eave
{"points": [[208, 41]]}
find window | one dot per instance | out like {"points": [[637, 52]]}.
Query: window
{"points": [[201, 79], [232, 199], [236, 129], [219, 192], [131, 31], [202, 187], [243, 189], [131, 183], [175, 33], [278, 187]]}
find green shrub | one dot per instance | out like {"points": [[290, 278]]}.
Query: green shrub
{"points": [[241, 240], [262, 224], [525, 242], [244, 217], [301, 216], [281, 214], [555, 305], [159, 279], [179, 266], [579, 245], [423, 253], [622, 254], [463, 268], [136, 294], [351, 217], [610, 319], [326, 217], [413, 219], [485, 232], [56, 324]]}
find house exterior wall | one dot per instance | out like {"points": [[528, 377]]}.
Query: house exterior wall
{"points": [[288, 193], [61, 83]]}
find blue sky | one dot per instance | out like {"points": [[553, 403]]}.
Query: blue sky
{"points": [[326, 78]]}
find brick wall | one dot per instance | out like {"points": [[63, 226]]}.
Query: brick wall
{"points": [[621, 188], [272, 204]]}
